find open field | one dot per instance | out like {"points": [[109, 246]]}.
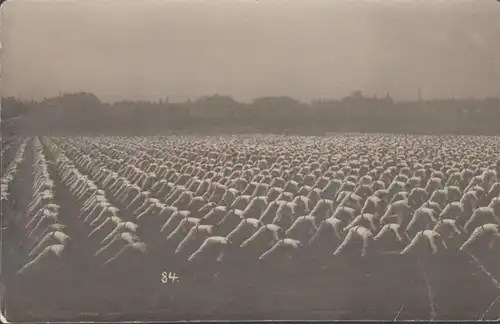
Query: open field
{"points": [[348, 226]]}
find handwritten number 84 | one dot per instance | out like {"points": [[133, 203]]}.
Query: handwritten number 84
{"points": [[170, 276]]}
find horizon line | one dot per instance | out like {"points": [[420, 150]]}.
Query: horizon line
{"points": [[198, 97]]}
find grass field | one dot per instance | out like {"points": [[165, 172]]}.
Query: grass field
{"points": [[77, 285]]}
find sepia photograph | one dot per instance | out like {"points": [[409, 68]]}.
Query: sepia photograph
{"points": [[250, 160]]}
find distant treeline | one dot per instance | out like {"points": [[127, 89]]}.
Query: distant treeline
{"points": [[80, 113]]}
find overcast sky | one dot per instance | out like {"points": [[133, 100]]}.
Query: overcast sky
{"points": [[122, 49]]}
